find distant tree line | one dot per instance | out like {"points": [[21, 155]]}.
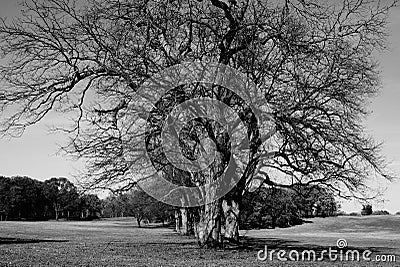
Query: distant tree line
{"points": [[138, 204], [24, 198], [270, 207]]}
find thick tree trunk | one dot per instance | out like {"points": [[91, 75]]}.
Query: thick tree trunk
{"points": [[208, 230], [138, 222], [231, 214], [232, 202]]}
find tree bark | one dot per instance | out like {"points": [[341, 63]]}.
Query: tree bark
{"points": [[138, 222], [185, 221], [177, 221], [56, 211], [231, 213], [209, 227]]}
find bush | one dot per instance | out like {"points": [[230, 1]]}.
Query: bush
{"points": [[381, 212], [354, 214], [398, 213], [288, 220], [270, 207], [341, 213], [366, 210]]}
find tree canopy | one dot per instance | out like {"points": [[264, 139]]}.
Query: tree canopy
{"points": [[25, 198]]}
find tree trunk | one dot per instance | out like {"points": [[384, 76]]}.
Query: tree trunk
{"points": [[208, 229], [231, 210], [138, 222], [185, 221], [56, 211], [177, 221]]}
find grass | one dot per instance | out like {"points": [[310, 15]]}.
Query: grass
{"points": [[120, 242]]}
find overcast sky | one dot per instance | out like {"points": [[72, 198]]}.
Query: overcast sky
{"points": [[35, 154]]}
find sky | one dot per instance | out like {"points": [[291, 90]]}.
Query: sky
{"points": [[35, 153]]}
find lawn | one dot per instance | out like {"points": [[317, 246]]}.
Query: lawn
{"points": [[119, 242]]}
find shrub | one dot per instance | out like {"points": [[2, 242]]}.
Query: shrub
{"points": [[398, 213], [354, 214], [381, 212], [366, 210], [288, 220]]}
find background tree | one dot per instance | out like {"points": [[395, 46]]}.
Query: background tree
{"points": [[138, 204], [62, 194], [4, 197], [366, 210], [315, 201], [311, 61], [270, 207], [112, 207], [90, 206]]}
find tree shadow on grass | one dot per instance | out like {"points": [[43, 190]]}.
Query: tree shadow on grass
{"points": [[157, 226], [144, 225], [8, 240]]}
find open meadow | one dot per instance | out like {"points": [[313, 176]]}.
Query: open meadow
{"points": [[119, 242]]}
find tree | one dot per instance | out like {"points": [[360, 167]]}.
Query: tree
{"points": [[138, 204], [315, 201], [22, 198], [311, 63], [366, 210], [112, 207], [143, 207], [270, 207], [5, 206], [90, 206], [284, 207], [62, 194]]}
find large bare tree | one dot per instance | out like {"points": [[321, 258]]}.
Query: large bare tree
{"points": [[311, 63]]}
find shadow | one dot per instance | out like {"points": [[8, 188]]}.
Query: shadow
{"points": [[248, 226], [166, 226], [144, 226], [8, 240]]}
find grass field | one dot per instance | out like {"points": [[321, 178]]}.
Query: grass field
{"points": [[120, 242]]}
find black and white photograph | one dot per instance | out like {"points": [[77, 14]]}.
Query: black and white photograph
{"points": [[200, 133]]}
